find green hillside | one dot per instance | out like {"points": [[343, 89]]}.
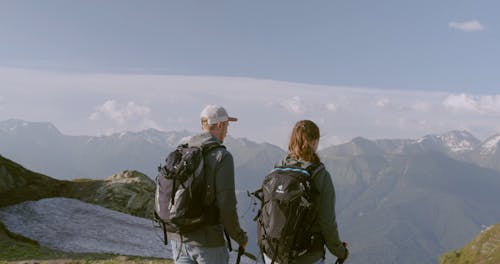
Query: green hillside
{"points": [[415, 205], [484, 249], [129, 192]]}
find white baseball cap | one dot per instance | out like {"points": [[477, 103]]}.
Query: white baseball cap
{"points": [[215, 114]]}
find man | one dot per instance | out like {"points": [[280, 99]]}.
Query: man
{"points": [[207, 244]]}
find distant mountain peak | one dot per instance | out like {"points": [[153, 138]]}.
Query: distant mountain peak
{"points": [[154, 136], [458, 141], [242, 142], [13, 126], [452, 141], [427, 138], [490, 146], [360, 140]]}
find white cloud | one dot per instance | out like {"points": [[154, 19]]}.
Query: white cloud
{"points": [[120, 113], [265, 115], [124, 116], [332, 107], [490, 103], [421, 106], [383, 102], [485, 104], [294, 105], [461, 102], [467, 26]]}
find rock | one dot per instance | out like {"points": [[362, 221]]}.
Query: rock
{"points": [[71, 225], [129, 192]]}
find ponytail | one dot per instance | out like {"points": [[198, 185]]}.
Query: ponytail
{"points": [[303, 135]]}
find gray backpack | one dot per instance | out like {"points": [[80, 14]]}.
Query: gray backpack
{"points": [[285, 218], [181, 204]]}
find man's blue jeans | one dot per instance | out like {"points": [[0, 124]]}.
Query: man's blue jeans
{"points": [[188, 254]]}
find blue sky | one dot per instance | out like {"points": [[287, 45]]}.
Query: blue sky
{"points": [[378, 69], [384, 44]]}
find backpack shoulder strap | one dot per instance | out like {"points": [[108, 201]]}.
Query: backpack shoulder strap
{"points": [[210, 146], [315, 169]]}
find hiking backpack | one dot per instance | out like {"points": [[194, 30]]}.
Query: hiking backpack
{"points": [[182, 190], [286, 215]]}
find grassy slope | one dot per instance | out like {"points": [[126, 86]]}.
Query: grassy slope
{"points": [[31, 186], [484, 249]]}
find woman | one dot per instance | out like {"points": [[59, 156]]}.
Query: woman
{"points": [[302, 154]]}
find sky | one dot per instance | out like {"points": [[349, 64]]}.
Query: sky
{"points": [[377, 69]]}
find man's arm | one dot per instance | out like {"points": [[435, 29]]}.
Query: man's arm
{"points": [[226, 199]]}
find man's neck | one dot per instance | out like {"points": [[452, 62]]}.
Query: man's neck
{"points": [[214, 134]]}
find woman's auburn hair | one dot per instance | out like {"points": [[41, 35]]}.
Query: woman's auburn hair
{"points": [[303, 135]]}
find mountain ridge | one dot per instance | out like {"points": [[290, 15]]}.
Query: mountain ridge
{"points": [[385, 189]]}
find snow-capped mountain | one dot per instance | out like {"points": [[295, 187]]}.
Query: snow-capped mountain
{"points": [[153, 136], [24, 128], [453, 142], [459, 141], [41, 147], [487, 154], [490, 145]]}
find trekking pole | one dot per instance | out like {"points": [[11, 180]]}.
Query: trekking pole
{"points": [[228, 241], [242, 252]]}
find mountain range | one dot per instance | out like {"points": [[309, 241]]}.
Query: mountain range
{"points": [[410, 208], [100, 156], [43, 148], [398, 200]]}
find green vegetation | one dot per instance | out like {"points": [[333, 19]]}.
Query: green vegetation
{"points": [[129, 192], [82, 180], [18, 184], [484, 249]]}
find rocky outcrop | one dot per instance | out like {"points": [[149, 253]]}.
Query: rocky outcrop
{"points": [[129, 192], [484, 249]]}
